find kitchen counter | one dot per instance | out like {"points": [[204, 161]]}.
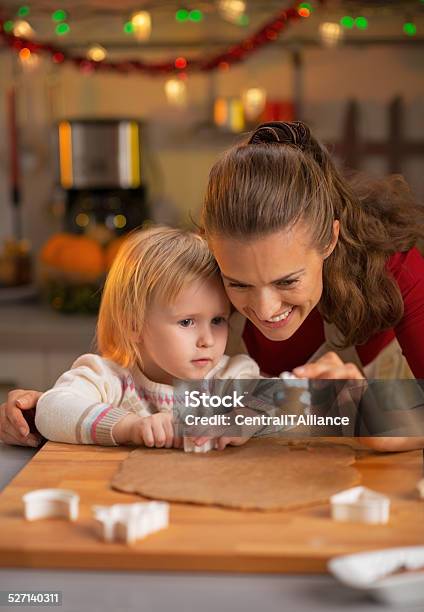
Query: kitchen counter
{"points": [[104, 591]]}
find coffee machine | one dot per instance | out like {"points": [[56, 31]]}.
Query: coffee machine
{"points": [[101, 172]]}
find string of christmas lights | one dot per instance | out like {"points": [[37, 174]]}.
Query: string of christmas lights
{"points": [[237, 53]]}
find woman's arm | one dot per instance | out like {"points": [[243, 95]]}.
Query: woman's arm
{"points": [[393, 444], [408, 270], [330, 366]]}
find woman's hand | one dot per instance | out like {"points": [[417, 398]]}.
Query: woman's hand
{"points": [[329, 366], [14, 428], [387, 445]]}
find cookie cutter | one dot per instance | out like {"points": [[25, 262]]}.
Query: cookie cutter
{"points": [[420, 487], [130, 522], [191, 447], [288, 376], [360, 504], [47, 503]]}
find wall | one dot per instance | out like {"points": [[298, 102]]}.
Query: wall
{"points": [[181, 147]]}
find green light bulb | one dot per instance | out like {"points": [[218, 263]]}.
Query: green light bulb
{"points": [[23, 11], [347, 22], [361, 23], [182, 15], [62, 29], [195, 15], [410, 28], [59, 15], [8, 26], [129, 27]]}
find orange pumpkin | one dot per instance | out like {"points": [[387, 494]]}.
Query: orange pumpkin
{"points": [[77, 257], [49, 253]]}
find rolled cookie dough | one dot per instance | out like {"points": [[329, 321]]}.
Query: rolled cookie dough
{"points": [[264, 474]]}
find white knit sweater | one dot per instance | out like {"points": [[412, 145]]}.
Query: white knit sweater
{"points": [[88, 400]]}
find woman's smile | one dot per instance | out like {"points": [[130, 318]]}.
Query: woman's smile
{"points": [[280, 319], [276, 322]]}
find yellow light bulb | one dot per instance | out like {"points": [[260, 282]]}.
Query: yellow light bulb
{"points": [[23, 29], [142, 23], [96, 53]]}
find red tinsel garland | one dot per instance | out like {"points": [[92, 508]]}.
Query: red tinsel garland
{"points": [[237, 53]]}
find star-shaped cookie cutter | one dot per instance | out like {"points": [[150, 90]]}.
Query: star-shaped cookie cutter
{"points": [[130, 522], [360, 504]]}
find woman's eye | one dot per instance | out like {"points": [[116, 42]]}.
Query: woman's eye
{"points": [[218, 320], [185, 322], [281, 283], [287, 283]]}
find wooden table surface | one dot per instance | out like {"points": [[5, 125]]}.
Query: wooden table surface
{"points": [[199, 538]]}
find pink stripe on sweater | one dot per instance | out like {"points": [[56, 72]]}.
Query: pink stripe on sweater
{"points": [[97, 420]]}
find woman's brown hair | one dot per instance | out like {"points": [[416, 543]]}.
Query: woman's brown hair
{"points": [[283, 175]]}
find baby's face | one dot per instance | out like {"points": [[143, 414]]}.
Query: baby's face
{"points": [[187, 338]]}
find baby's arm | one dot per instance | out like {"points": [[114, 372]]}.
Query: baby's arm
{"points": [[83, 406]]}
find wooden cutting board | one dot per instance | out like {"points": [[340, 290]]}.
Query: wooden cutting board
{"points": [[199, 538]]}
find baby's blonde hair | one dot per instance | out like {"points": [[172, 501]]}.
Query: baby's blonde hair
{"points": [[151, 263]]}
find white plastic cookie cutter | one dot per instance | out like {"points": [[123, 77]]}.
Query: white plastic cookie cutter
{"points": [[47, 503], [360, 504], [191, 447], [289, 376], [130, 522], [297, 383]]}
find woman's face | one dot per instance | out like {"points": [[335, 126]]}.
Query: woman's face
{"points": [[276, 280]]}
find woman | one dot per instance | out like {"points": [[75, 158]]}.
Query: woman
{"points": [[325, 274]]}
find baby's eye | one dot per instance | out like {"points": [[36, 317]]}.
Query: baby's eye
{"points": [[237, 285], [186, 322], [219, 320]]}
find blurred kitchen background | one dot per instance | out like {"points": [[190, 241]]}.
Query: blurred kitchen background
{"points": [[112, 113]]}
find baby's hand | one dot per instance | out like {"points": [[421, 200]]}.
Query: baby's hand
{"points": [[152, 431], [156, 430], [223, 441]]}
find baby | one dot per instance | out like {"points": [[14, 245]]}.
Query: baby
{"points": [[163, 316]]}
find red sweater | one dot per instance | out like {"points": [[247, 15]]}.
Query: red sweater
{"points": [[408, 270]]}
